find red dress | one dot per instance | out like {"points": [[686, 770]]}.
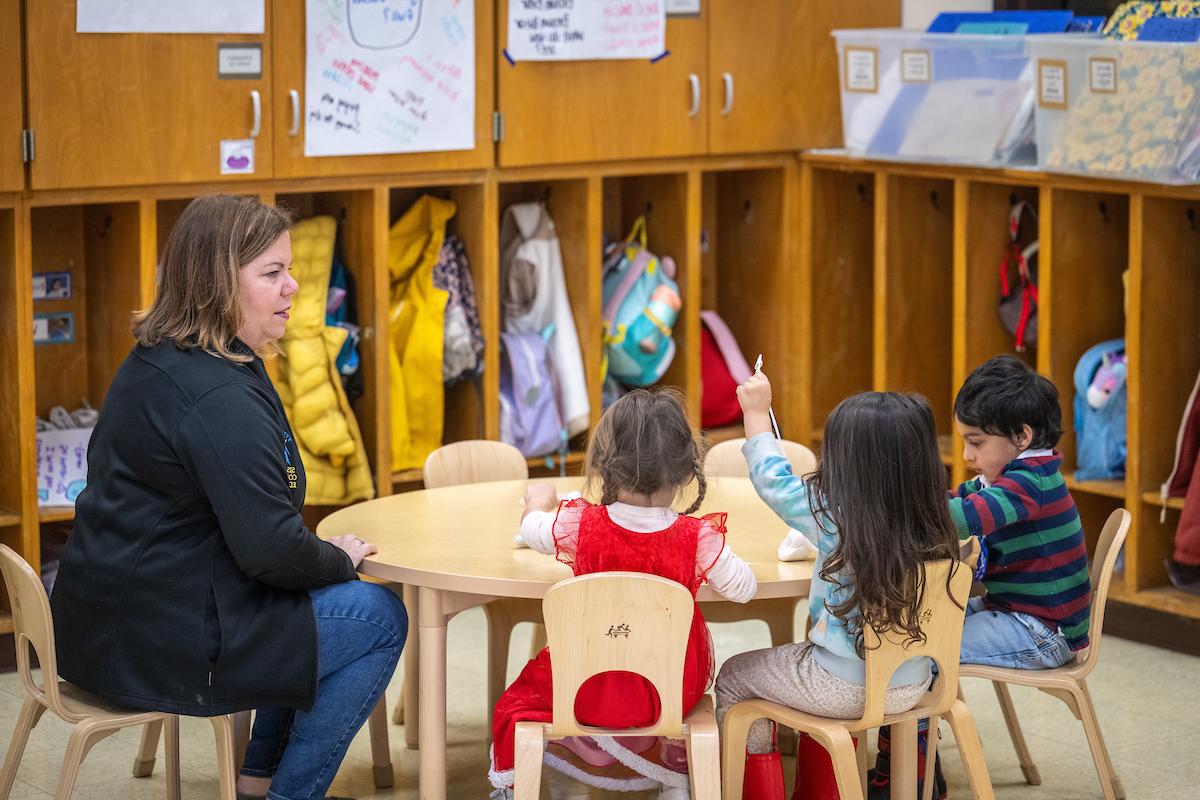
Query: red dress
{"points": [[587, 540]]}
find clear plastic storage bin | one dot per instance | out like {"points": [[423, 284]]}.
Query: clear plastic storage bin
{"points": [[1124, 109], [962, 98]]}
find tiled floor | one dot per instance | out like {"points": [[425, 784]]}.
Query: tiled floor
{"points": [[1148, 701]]}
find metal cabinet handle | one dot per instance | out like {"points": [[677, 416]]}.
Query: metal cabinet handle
{"points": [[728, 81], [295, 97], [694, 82], [256, 102]]}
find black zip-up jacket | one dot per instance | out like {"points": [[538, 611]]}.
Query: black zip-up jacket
{"points": [[183, 585]]}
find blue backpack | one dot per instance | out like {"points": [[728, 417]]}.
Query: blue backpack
{"points": [[1100, 412], [530, 418], [641, 302]]}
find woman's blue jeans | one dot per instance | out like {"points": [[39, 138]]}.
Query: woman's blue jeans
{"points": [[361, 629]]}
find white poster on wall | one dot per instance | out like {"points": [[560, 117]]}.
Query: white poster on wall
{"points": [[389, 76], [169, 16], [585, 30]]}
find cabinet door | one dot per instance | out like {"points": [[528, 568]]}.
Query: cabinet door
{"points": [[572, 111], [289, 109], [773, 73], [12, 173], [137, 108]]}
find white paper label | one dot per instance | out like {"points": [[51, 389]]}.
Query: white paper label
{"points": [[915, 66], [681, 7], [1102, 75], [585, 30], [237, 156], [170, 16], [1052, 84], [239, 61], [860, 70]]}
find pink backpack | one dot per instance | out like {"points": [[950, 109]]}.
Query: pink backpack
{"points": [[722, 368]]}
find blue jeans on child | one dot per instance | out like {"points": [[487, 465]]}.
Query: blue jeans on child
{"points": [[360, 632], [1010, 639]]}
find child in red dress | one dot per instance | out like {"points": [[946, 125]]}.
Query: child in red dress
{"points": [[643, 453]]}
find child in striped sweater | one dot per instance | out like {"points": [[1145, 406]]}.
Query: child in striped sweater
{"points": [[1036, 610]]}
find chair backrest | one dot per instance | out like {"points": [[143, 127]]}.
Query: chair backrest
{"points": [[1108, 547], [941, 617], [474, 461], [618, 621], [32, 627], [725, 460]]}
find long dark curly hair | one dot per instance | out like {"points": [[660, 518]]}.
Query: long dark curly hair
{"points": [[882, 485], [643, 444]]}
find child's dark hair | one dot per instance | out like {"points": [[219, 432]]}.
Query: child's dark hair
{"points": [[882, 483], [1003, 395], [644, 443]]}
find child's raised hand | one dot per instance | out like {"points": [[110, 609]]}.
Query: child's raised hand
{"points": [[755, 394], [540, 497]]}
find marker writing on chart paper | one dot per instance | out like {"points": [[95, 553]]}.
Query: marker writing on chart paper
{"points": [[774, 424]]}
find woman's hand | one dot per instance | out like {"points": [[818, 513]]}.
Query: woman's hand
{"points": [[540, 497], [755, 398], [354, 547]]}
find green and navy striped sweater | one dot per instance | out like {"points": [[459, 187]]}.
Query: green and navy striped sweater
{"points": [[1036, 557]]}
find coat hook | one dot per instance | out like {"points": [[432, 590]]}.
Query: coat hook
{"points": [[1013, 199], [747, 207], [935, 200], [1103, 206], [649, 207], [1191, 218], [861, 188], [106, 226], [546, 195]]}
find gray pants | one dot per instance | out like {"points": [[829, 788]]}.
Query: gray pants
{"points": [[790, 676]]}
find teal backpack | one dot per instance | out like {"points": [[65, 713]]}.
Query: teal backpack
{"points": [[641, 303]]}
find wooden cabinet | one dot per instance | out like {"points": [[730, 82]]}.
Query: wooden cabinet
{"points": [[123, 109], [287, 107], [12, 171], [574, 111], [773, 73]]}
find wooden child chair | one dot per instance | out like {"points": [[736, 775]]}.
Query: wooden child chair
{"points": [[656, 613], [942, 620], [475, 461], [1068, 683], [725, 460], [92, 718]]}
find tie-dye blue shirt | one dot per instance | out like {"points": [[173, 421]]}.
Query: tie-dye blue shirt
{"points": [[787, 495]]}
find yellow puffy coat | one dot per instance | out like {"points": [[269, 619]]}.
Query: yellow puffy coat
{"points": [[331, 447], [417, 327]]}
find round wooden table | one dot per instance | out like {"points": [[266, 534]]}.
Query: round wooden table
{"points": [[453, 549]]}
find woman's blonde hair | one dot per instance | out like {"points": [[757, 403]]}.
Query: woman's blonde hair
{"points": [[196, 302], [643, 443]]}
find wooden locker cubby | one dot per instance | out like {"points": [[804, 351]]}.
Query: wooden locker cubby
{"points": [[744, 268], [469, 415], [574, 205], [840, 260], [671, 204], [914, 282]]}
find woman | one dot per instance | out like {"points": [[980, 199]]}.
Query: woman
{"points": [[190, 583]]}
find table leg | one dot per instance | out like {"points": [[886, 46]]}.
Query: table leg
{"points": [[412, 670], [432, 635]]}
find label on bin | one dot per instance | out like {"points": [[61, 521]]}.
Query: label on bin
{"points": [[1052, 83], [1102, 75], [861, 69], [916, 66]]}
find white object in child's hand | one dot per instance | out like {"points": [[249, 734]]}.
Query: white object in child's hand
{"points": [[771, 412], [518, 541], [796, 547]]}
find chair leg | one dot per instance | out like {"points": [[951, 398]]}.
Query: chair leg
{"points": [[845, 763], [931, 745], [1109, 782], [904, 760], [971, 751], [381, 753], [1032, 776], [83, 737], [735, 731], [27, 719], [538, 641], [223, 734], [704, 754], [171, 755], [499, 632], [860, 755], [143, 763], [241, 738], [408, 711], [527, 776]]}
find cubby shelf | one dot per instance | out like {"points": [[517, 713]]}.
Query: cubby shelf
{"points": [[9, 518], [56, 513], [1103, 488], [1156, 499]]}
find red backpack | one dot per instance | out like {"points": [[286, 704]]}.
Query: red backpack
{"points": [[722, 368]]}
